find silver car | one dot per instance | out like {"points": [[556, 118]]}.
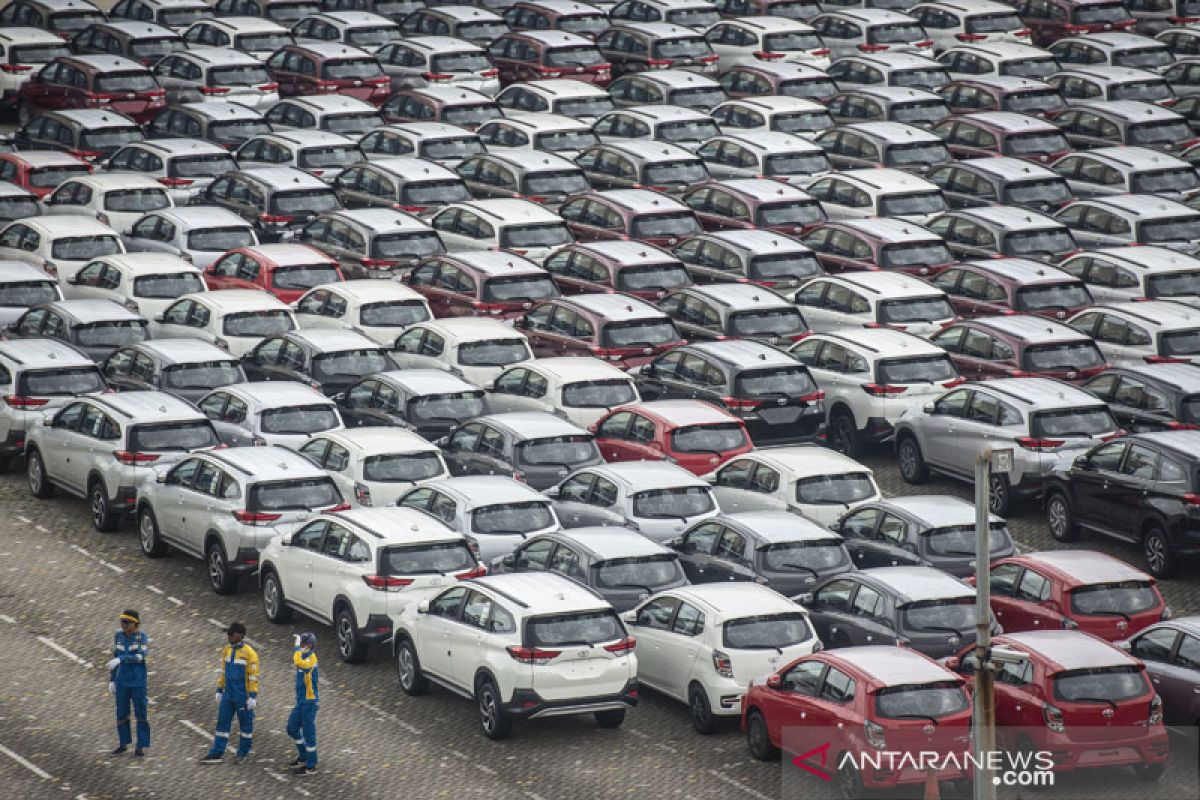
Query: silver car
{"points": [[185, 166], [194, 75], [271, 412], [318, 153], [419, 61], [199, 234], [1133, 219], [413, 185], [23, 286], [335, 113]]}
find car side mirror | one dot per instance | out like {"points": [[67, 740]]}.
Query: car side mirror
{"points": [[160, 478], [1081, 462], [551, 492], [442, 442], [630, 617], [952, 663], [775, 681], [509, 561], [286, 540], [1126, 645], [929, 408], [423, 607], [803, 599], [676, 543]]}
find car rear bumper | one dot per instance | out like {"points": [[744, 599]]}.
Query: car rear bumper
{"points": [[526, 703], [809, 429], [14, 442], [1150, 748], [244, 561]]}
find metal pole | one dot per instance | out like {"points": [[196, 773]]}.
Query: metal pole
{"points": [[985, 705]]}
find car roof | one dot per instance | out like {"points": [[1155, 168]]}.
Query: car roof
{"points": [[563, 6], [1109, 73], [627, 252], [774, 527], [180, 146], [270, 394], [471, 329], [569, 369], [94, 118], [379, 438], [487, 490], [426, 381], [284, 178], [1035, 330], [890, 284], [641, 200], [681, 413], [640, 476], [89, 310], [1163, 314], [220, 109], [738, 296], [381, 220], [393, 525], [1039, 393], [22, 35], [1005, 83], [309, 136], [916, 584], [141, 407], [1084, 567], [778, 103], [892, 131], [495, 262], [1007, 168], [332, 340], [43, 352], [745, 353], [657, 30], [897, 60], [735, 600], [1190, 623], [203, 216], [532, 159], [331, 49], [183, 351], [328, 103], [19, 271], [149, 263], [884, 342], [355, 18], [769, 24], [104, 62], [245, 24], [871, 16], [677, 78], [804, 460], [1022, 270], [649, 149], [542, 592], [1187, 442], [537, 121], [1003, 50], [218, 55], [759, 241], [1137, 157], [1144, 205], [44, 158], [664, 112], [610, 541], [411, 169], [887, 179], [890, 230], [441, 44], [428, 130], [567, 87], [467, 13], [888, 665], [507, 211], [370, 290], [1009, 121], [892, 94], [1149, 258], [110, 181], [1185, 377], [764, 189], [555, 38], [772, 141], [970, 6], [55, 225], [232, 301], [286, 255], [614, 307], [1071, 650], [267, 463], [1132, 110], [525, 425], [936, 510]]}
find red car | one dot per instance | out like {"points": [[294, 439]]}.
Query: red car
{"points": [[41, 171], [474, 283], [878, 243], [538, 55], [1018, 346], [637, 269], [1051, 20], [1003, 133], [1084, 701], [640, 214], [749, 203], [111, 83], [866, 707], [615, 327], [698, 436], [329, 68], [1075, 589], [285, 270], [1011, 286]]}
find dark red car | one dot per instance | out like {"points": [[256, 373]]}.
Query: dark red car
{"points": [[111, 83], [641, 214], [1051, 20], [615, 327], [1003, 133], [329, 68], [285, 270], [41, 171], [1017, 346], [475, 283], [538, 55], [451, 105], [696, 435], [1003, 93], [749, 203], [577, 18], [1012, 286], [637, 269], [878, 243]]}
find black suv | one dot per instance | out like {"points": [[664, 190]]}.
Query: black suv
{"points": [[1151, 397], [1142, 489], [325, 359]]}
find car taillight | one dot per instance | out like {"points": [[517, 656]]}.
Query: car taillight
{"points": [[132, 459], [247, 517], [214, 90], [1023, 32], [489, 73], [970, 37], [602, 67], [883, 389], [16, 67], [386, 583], [763, 55], [362, 493], [820, 51], [738, 404], [1183, 20], [477, 572], [1071, 28], [956, 382], [86, 155], [1053, 718], [714, 58], [532, 655], [812, 397], [268, 87], [874, 734], [21, 401], [872, 48], [658, 63], [1191, 499], [437, 76], [722, 663], [409, 209], [176, 183], [274, 219], [488, 308], [1156, 715], [326, 86], [1164, 360], [1039, 444], [548, 72], [1176, 425], [623, 647], [530, 198], [338, 507], [378, 263]]}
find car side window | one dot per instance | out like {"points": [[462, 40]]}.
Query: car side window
{"points": [[804, 678], [309, 537], [689, 621], [535, 555], [837, 687], [701, 539], [657, 613], [1141, 463], [1004, 579], [732, 546], [476, 609], [336, 542], [1188, 656], [953, 404], [867, 603], [1033, 588], [1156, 645], [834, 596], [737, 474], [448, 603]]}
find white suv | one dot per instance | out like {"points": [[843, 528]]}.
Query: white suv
{"points": [[374, 466], [523, 645], [869, 377], [101, 447], [285, 413], [357, 570], [1118, 274], [144, 283], [705, 644], [235, 320], [1149, 332], [874, 299]]}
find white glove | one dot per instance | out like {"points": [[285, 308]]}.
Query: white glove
{"points": [[113, 664], [252, 703], [296, 640], [218, 698], [112, 688]]}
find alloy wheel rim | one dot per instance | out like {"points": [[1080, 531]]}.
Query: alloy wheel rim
{"points": [[35, 473], [345, 635], [487, 710], [699, 710], [98, 506], [1154, 552], [406, 668], [908, 460], [757, 730], [270, 597], [216, 567], [147, 531]]}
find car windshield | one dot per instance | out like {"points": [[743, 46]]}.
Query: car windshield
{"points": [[922, 700], [258, 323], [698, 97], [430, 558], [558, 141], [1038, 68], [1033, 101], [351, 363], [113, 333], [784, 267], [577, 107], [403, 467], [686, 172], [1102, 685], [546, 234], [678, 502], [1050, 241], [1180, 343], [38, 53], [304, 276], [239, 75], [237, 130], [457, 147], [447, 406], [819, 555], [469, 61], [469, 114], [959, 540], [220, 239], [518, 288], [766, 631], [895, 33], [1145, 91], [916, 369], [916, 309], [111, 82], [206, 166], [792, 40], [576, 56], [393, 314], [303, 419], [25, 294], [898, 205], [512, 518], [925, 112], [304, 202], [202, 375], [399, 246], [692, 130], [1051, 295], [781, 382], [835, 489], [49, 177], [652, 276], [352, 125], [566, 181], [995, 22], [1094, 13], [917, 153], [331, 156], [648, 572], [916, 254], [18, 207], [263, 42], [584, 24], [676, 224], [137, 201], [639, 333], [576, 628], [428, 193], [801, 122], [928, 78], [783, 321], [1170, 284], [1066, 355], [351, 69], [720, 437], [1091, 421], [570, 451], [1161, 132], [493, 353], [683, 47], [1046, 191], [85, 248], [598, 393], [1121, 597], [167, 285], [1173, 229], [68, 381], [1165, 181], [376, 36], [109, 138], [182, 435], [1025, 144], [304, 493], [479, 31]]}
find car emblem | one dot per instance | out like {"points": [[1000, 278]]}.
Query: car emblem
{"points": [[952, 640], [971, 563], [1107, 713], [672, 241], [1122, 625], [358, 83], [1060, 314], [643, 596], [1072, 375], [928, 730], [782, 401], [579, 69], [773, 659], [131, 96], [562, 473]]}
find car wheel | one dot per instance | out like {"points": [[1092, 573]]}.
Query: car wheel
{"points": [[912, 463], [408, 670], [219, 577], [1160, 561], [1149, 772], [35, 475], [152, 545], [703, 720], [274, 603], [1000, 500], [843, 434], [611, 718], [351, 647], [850, 784], [758, 739], [1060, 518], [493, 721], [104, 519]]}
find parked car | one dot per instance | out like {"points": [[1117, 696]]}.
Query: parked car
{"points": [[769, 259], [718, 311], [60, 245], [87, 134], [429, 402], [197, 234], [186, 368], [234, 320], [379, 310], [634, 268], [578, 388], [535, 447], [1020, 345], [118, 84], [96, 327], [1149, 332], [1008, 181], [285, 271], [477, 349], [41, 171], [370, 243], [328, 360], [620, 329], [1168, 651], [1150, 397], [1117, 274], [185, 167], [218, 121], [144, 283], [697, 436], [285, 413], [878, 244], [480, 282], [873, 300], [1013, 285], [373, 466]]}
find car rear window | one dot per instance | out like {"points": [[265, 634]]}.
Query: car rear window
{"points": [[352, 125], [403, 467], [167, 286], [304, 276], [578, 56], [368, 37], [38, 53], [237, 130], [786, 266], [920, 701], [493, 353], [18, 207], [220, 239], [512, 518], [951, 614], [772, 322], [114, 333], [959, 540], [1065, 355], [110, 138], [675, 502], [1173, 284], [568, 451], [916, 309], [49, 177], [398, 246], [925, 112], [434, 192], [1101, 685], [556, 141], [782, 382], [677, 224], [639, 333], [141, 81], [1032, 101], [998, 22], [686, 172], [895, 33], [598, 394], [795, 212], [469, 114], [351, 69], [305, 201], [1052, 296], [566, 181], [1025, 144], [1159, 132], [896, 205], [207, 166], [173, 436], [460, 147], [641, 572], [351, 363], [258, 323], [717, 438], [1087, 421], [182, 17], [1174, 229], [1049, 192], [26, 294], [917, 369], [239, 75], [395, 314], [438, 558], [653, 276], [269, 42], [460, 62], [56, 382], [1114, 599], [202, 375], [300, 419], [84, 248], [1181, 179], [519, 288], [303, 493], [575, 628], [766, 631], [547, 234], [916, 254], [449, 406], [917, 154], [813, 556], [329, 157], [848, 487]]}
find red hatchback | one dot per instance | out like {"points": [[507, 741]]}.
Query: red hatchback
{"points": [[1051, 20], [1003, 133], [878, 243], [1011, 286], [41, 171], [538, 55], [1019, 346], [637, 269], [329, 68], [111, 83], [615, 327], [750, 203], [1075, 589], [285, 270], [696, 435], [640, 214], [863, 710], [475, 283]]}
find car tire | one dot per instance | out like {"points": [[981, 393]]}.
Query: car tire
{"points": [[758, 739], [351, 647], [35, 475], [1156, 550], [1060, 517], [610, 719], [912, 463], [850, 783], [1000, 499], [408, 670], [104, 519], [220, 578], [843, 435], [700, 711], [494, 722], [152, 544], [274, 603]]}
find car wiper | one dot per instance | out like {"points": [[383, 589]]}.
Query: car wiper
{"points": [[1108, 613], [958, 552], [1094, 700], [643, 587], [791, 565], [942, 628], [929, 717]]}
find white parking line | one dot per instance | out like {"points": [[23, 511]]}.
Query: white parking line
{"points": [[55, 646], [26, 520], [216, 622], [194, 728], [8, 619], [87, 553], [175, 600], [34, 768], [731, 782], [155, 589], [486, 770]]}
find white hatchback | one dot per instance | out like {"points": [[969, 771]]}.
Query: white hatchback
{"points": [[380, 310], [374, 466]]}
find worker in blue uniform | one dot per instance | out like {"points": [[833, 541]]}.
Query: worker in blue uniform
{"points": [[237, 694], [302, 723], [127, 682]]}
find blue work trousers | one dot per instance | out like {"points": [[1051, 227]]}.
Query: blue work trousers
{"points": [[302, 727], [134, 696], [245, 718]]}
